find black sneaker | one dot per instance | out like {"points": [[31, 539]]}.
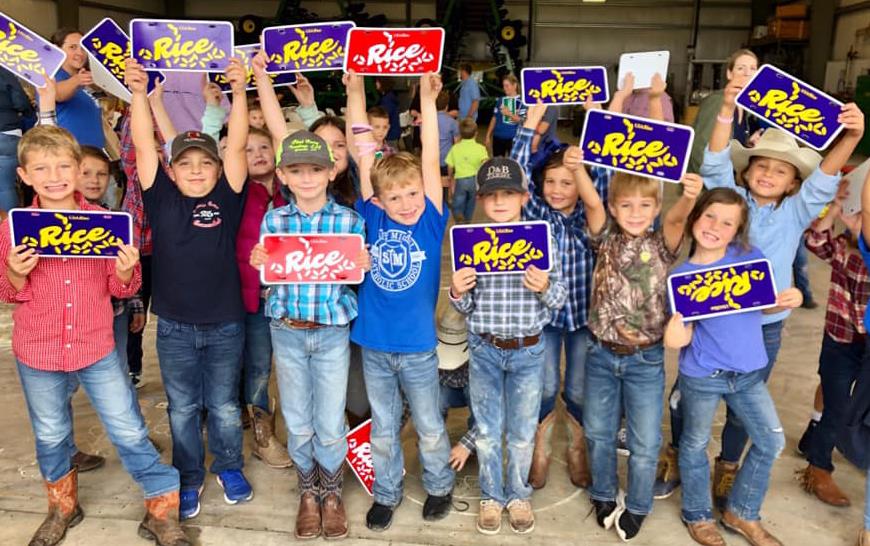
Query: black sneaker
{"points": [[806, 440], [605, 512], [436, 507], [379, 517], [628, 525]]}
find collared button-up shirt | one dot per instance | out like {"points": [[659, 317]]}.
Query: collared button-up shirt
{"points": [[333, 304], [500, 305], [572, 240], [850, 285], [63, 321]]}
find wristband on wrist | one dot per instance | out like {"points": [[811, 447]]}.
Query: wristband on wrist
{"points": [[721, 119]]}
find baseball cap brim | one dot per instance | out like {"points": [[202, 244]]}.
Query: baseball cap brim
{"points": [[507, 185], [190, 145]]}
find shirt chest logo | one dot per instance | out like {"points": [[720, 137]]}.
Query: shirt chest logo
{"points": [[207, 215], [396, 260]]}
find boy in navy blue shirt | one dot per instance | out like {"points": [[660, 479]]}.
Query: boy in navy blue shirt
{"points": [[405, 221]]}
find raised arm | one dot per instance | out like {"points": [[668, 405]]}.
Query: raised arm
{"points": [[723, 128], [675, 220], [68, 87], [593, 206], [853, 122], [362, 143], [268, 99], [235, 159], [865, 209], [430, 86], [141, 126], [656, 98], [161, 116], [617, 103]]}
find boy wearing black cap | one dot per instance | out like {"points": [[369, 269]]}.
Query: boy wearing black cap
{"points": [[507, 356], [310, 337], [194, 214]]}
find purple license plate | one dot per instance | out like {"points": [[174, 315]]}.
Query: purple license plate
{"points": [[71, 233], [246, 53], [306, 48], [794, 106], [27, 54], [501, 248], [656, 149], [567, 85], [109, 46], [182, 46], [735, 288]]}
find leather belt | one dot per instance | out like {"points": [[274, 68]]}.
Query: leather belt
{"points": [[510, 343], [301, 324], [624, 350]]}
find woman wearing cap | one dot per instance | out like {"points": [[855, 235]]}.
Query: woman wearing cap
{"points": [[786, 187]]}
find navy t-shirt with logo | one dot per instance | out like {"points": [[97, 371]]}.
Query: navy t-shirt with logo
{"points": [[398, 296], [195, 274]]}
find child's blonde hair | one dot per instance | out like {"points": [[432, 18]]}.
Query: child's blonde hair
{"points": [[397, 170], [624, 184], [48, 138]]}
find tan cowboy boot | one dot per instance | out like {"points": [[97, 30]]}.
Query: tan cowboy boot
{"points": [[308, 521], [331, 505], [752, 531], [578, 467], [541, 453], [820, 483], [723, 480], [63, 510], [266, 446], [161, 521]]}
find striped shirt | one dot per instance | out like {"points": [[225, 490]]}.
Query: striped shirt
{"points": [[63, 321], [333, 304], [572, 238], [500, 305]]}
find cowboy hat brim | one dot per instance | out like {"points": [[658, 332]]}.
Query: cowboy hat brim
{"points": [[804, 160]]}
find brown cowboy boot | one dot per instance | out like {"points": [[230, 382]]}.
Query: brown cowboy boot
{"points": [[161, 521], [541, 453], [308, 516], [752, 531], [820, 483], [63, 510], [331, 506], [723, 480], [266, 446], [578, 467]]}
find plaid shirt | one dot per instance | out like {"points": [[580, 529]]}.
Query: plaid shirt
{"points": [[133, 203], [500, 305], [572, 239], [333, 304], [850, 285]]}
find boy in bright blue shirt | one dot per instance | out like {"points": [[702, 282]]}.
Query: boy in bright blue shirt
{"points": [[402, 206]]}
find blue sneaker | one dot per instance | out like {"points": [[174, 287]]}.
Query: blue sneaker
{"points": [[236, 487], [189, 503]]}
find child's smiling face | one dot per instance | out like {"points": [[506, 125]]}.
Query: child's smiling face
{"points": [[260, 155], [634, 212], [717, 226], [560, 190], [504, 205], [769, 179], [94, 179]]}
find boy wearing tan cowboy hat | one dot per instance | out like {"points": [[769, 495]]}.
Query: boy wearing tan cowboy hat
{"points": [[786, 187]]}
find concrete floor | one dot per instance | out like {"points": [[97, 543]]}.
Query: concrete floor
{"points": [[113, 506]]}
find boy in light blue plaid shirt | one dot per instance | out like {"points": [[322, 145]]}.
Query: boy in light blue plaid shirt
{"points": [[310, 336], [506, 314]]}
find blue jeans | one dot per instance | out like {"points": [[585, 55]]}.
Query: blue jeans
{"points": [[464, 195], [839, 365], [108, 387], [747, 396], [576, 343], [637, 380], [8, 163], [867, 503], [199, 364], [121, 327], [312, 367], [388, 376], [734, 435], [505, 390], [257, 359]]}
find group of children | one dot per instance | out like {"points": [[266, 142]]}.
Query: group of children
{"points": [[604, 300]]}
